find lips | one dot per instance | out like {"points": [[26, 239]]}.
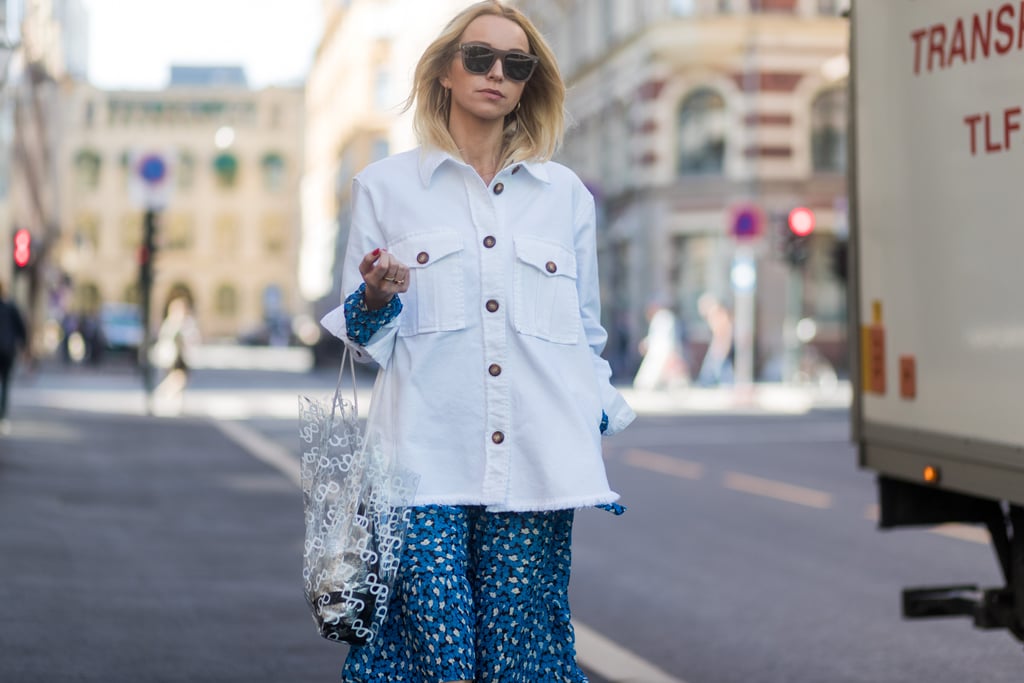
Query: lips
{"points": [[492, 93]]}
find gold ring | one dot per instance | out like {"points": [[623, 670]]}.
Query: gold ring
{"points": [[389, 279], [399, 282]]}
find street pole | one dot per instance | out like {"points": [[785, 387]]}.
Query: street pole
{"points": [[744, 283], [147, 253], [794, 312]]}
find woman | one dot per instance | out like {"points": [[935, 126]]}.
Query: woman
{"points": [[472, 270]]}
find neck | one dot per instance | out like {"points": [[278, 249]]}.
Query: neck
{"points": [[480, 144]]}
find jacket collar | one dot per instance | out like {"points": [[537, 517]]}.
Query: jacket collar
{"points": [[432, 159]]}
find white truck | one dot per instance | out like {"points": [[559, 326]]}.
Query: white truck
{"points": [[936, 278]]}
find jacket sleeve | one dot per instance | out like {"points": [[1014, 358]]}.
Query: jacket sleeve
{"points": [[620, 415], [365, 236]]}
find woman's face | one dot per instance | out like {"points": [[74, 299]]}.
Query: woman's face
{"points": [[490, 96]]}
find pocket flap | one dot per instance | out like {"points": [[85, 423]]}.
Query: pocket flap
{"points": [[550, 258], [425, 248]]}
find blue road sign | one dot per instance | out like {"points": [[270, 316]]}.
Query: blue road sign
{"points": [[746, 222], [152, 168]]}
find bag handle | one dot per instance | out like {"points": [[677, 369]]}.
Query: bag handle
{"points": [[346, 356]]}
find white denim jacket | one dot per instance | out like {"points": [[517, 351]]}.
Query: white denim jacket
{"points": [[491, 384]]}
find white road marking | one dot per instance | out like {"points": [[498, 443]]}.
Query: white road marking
{"points": [[262, 448], [609, 660], [593, 651], [961, 532], [964, 532], [656, 462], [778, 490]]}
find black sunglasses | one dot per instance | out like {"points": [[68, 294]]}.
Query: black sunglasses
{"points": [[478, 58]]}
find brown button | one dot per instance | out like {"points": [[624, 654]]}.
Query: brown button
{"points": [[499, 188], [497, 437], [515, 169], [491, 305], [422, 257], [551, 267], [489, 241], [495, 369]]}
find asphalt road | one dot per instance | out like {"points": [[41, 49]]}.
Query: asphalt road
{"points": [[749, 551]]}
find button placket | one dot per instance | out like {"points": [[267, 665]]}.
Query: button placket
{"points": [[491, 247]]}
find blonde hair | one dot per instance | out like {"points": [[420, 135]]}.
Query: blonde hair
{"points": [[533, 131]]}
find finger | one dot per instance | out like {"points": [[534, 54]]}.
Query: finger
{"points": [[366, 265], [388, 268]]}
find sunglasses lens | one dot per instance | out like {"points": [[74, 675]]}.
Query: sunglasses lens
{"points": [[518, 67], [477, 59]]}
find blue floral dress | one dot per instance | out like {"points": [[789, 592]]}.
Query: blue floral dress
{"points": [[479, 596]]}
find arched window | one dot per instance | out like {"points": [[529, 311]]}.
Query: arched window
{"points": [[87, 232], [274, 228], [87, 169], [225, 301], [828, 131], [273, 168], [701, 130], [179, 231], [131, 231], [226, 231], [225, 166]]}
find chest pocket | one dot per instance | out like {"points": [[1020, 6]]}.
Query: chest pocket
{"points": [[436, 300], [546, 302]]}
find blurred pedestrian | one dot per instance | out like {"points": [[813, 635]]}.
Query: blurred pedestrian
{"points": [[12, 339], [663, 365], [177, 337], [472, 279], [716, 368]]}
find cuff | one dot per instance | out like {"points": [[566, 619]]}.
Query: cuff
{"points": [[361, 324]]}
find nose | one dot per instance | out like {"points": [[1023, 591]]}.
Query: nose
{"points": [[496, 73]]}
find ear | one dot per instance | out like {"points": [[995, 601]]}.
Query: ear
{"points": [[445, 82]]}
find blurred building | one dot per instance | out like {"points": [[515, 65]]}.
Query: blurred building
{"points": [[682, 113], [37, 54], [228, 237], [360, 78]]}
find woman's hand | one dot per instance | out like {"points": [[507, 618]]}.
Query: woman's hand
{"points": [[384, 276]]}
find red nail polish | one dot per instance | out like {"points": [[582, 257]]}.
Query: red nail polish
{"points": [[376, 252]]}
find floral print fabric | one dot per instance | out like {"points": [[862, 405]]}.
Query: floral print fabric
{"points": [[480, 596], [360, 323]]}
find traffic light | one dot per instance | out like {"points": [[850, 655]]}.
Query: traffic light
{"points": [[799, 226], [22, 248]]}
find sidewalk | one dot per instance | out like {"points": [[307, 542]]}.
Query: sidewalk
{"points": [[138, 549], [241, 393]]}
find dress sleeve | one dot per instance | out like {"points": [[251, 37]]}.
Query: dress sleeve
{"points": [[360, 323]]}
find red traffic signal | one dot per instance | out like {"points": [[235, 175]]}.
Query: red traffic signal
{"points": [[801, 221], [22, 247]]}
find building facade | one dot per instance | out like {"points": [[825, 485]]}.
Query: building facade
{"points": [[228, 237], [684, 115], [360, 78], [35, 65]]}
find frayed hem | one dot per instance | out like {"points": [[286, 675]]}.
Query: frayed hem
{"points": [[553, 505]]}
